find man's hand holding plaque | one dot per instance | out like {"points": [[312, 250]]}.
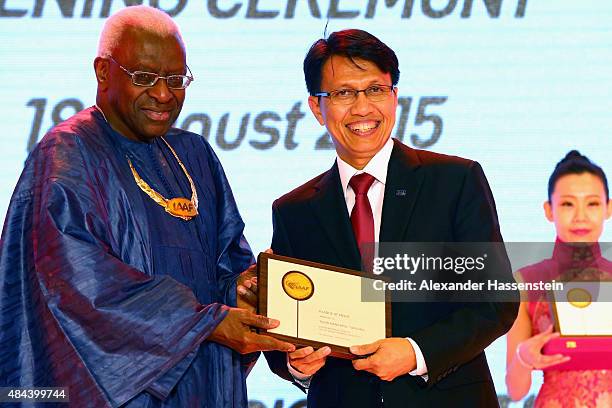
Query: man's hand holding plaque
{"points": [[386, 358], [308, 361], [237, 330], [246, 289], [234, 332]]}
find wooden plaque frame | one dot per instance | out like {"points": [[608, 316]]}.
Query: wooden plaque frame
{"points": [[262, 283]]}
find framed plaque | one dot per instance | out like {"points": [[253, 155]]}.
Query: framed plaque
{"points": [[321, 305], [583, 308], [581, 314]]}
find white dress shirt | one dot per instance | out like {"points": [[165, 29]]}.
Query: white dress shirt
{"points": [[376, 167]]}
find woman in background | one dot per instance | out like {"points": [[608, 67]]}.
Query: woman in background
{"points": [[578, 204]]}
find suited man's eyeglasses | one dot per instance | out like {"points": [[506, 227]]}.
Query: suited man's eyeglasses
{"points": [[374, 93]]}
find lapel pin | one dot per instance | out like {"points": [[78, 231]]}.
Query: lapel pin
{"points": [[400, 193]]}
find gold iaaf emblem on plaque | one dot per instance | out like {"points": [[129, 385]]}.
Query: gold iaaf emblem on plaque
{"points": [[298, 285], [579, 297]]}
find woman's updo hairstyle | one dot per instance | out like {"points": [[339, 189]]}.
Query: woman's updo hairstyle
{"points": [[576, 163]]}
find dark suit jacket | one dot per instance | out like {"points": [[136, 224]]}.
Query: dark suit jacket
{"points": [[447, 200]]}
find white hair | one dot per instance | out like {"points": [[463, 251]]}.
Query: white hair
{"points": [[145, 18]]}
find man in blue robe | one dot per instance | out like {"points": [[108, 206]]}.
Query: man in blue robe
{"points": [[122, 245]]}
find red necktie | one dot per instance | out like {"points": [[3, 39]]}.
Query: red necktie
{"points": [[362, 217]]}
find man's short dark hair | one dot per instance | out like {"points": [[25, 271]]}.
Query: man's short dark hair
{"points": [[352, 44]]}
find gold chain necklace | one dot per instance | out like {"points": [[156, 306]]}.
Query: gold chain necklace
{"points": [[179, 207]]}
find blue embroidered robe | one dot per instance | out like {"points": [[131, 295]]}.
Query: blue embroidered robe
{"points": [[105, 293]]}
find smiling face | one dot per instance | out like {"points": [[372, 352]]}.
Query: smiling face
{"points": [[361, 129], [578, 208], [141, 113]]}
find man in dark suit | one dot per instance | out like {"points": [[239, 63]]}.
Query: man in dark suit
{"points": [[380, 190]]}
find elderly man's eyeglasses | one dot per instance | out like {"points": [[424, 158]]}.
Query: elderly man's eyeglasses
{"points": [[143, 78], [374, 93]]}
